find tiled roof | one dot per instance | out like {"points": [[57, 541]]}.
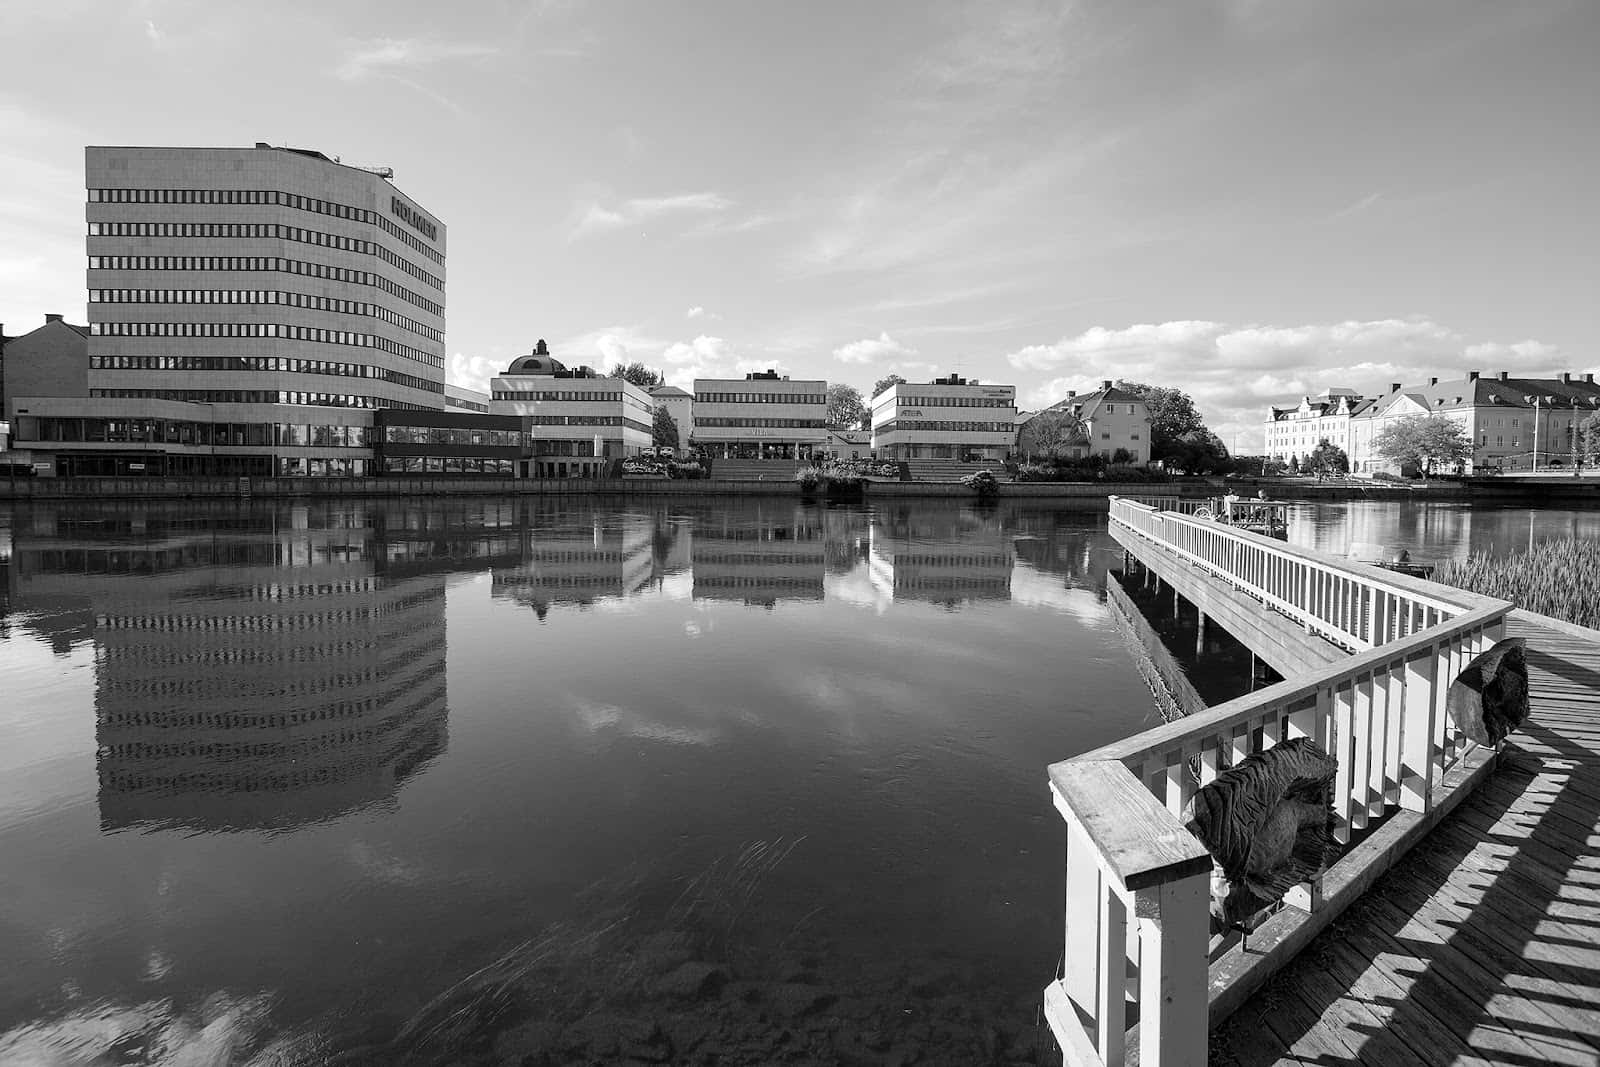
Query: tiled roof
{"points": [[667, 390]]}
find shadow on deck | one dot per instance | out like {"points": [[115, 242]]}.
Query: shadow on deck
{"points": [[1483, 944]]}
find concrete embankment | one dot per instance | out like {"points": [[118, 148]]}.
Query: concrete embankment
{"points": [[1546, 492]]}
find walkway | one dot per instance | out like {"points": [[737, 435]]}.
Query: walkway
{"points": [[1482, 946]]}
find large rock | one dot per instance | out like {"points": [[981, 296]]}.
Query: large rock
{"points": [[1489, 698], [693, 981]]}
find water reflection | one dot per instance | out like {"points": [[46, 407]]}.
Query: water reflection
{"points": [[238, 773], [252, 671], [1432, 531]]}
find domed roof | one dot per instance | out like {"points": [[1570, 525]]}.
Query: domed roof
{"points": [[535, 365]]}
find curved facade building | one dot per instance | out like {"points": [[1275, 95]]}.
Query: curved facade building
{"points": [[249, 307]]}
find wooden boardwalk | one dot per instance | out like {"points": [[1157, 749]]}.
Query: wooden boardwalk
{"points": [[1482, 946]]}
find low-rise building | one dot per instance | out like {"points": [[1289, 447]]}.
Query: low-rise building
{"points": [[575, 420], [52, 360], [1296, 431], [461, 398], [449, 442], [765, 416], [848, 444], [1114, 424], [1513, 423], [680, 405], [948, 418]]}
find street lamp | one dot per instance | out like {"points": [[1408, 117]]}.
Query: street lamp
{"points": [[1534, 400]]}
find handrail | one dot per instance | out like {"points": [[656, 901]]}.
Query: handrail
{"points": [[1350, 604], [1137, 881]]}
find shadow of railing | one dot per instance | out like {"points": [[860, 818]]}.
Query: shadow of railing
{"points": [[1484, 943]]}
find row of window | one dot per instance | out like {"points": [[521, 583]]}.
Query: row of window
{"points": [[270, 197], [264, 231], [942, 425], [956, 402], [264, 365], [775, 424], [262, 296], [761, 398], [588, 420], [261, 396], [263, 329], [451, 435], [585, 396], [501, 468], [572, 396], [460, 404], [266, 263], [183, 432]]}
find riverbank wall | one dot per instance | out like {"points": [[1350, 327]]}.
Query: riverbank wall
{"points": [[1571, 492]]}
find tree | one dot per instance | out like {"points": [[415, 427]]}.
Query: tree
{"points": [[664, 430], [637, 373], [1588, 440], [1050, 433], [884, 383], [1328, 460], [845, 409], [1172, 415], [1198, 452], [1424, 442]]}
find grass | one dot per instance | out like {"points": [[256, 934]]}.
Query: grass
{"points": [[1557, 578]]}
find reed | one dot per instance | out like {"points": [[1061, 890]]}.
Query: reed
{"points": [[1558, 578]]}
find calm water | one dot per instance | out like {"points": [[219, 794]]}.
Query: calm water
{"points": [[281, 782], [288, 773]]}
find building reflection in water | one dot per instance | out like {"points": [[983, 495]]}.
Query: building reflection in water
{"points": [[943, 557], [760, 555], [568, 552], [255, 668]]}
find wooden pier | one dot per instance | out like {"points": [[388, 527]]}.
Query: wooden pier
{"points": [[1460, 924], [1483, 945]]}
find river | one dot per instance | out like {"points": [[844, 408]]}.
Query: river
{"points": [[386, 780]]}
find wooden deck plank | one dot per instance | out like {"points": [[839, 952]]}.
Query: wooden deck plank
{"points": [[1482, 945]]}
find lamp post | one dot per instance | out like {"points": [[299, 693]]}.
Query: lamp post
{"points": [[1534, 400]]}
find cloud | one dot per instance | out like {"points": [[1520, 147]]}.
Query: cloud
{"points": [[873, 350], [1235, 372], [473, 372], [387, 55], [152, 33], [595, 217], [698, 312]]}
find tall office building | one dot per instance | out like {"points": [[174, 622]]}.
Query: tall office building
{"points": [[248, 307]]}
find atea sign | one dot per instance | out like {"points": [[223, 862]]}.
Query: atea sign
{"points": [[410, 214]]}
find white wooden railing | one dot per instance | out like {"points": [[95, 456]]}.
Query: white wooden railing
{"points": [[1137, 920]]}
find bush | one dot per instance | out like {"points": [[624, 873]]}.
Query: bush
{"points": [[984, 483], [1385, 476]]}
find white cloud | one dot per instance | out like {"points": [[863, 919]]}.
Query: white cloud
{"points": [[695, 312], [473, 372], [873, 350], [1235, 372], [386, 55], [595, 217]]}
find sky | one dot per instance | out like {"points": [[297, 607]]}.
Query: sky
{"points": [[1248, 200]]}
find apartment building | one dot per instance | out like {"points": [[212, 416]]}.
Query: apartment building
{"points": [[575, 420], [947, 418], [764, 416], [249, 308]]}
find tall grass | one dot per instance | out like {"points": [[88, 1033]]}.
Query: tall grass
{"points": [[1557, 578]]}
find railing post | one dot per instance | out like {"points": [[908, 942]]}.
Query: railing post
{"points": [[1173, 1021], [1416, 732]]}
